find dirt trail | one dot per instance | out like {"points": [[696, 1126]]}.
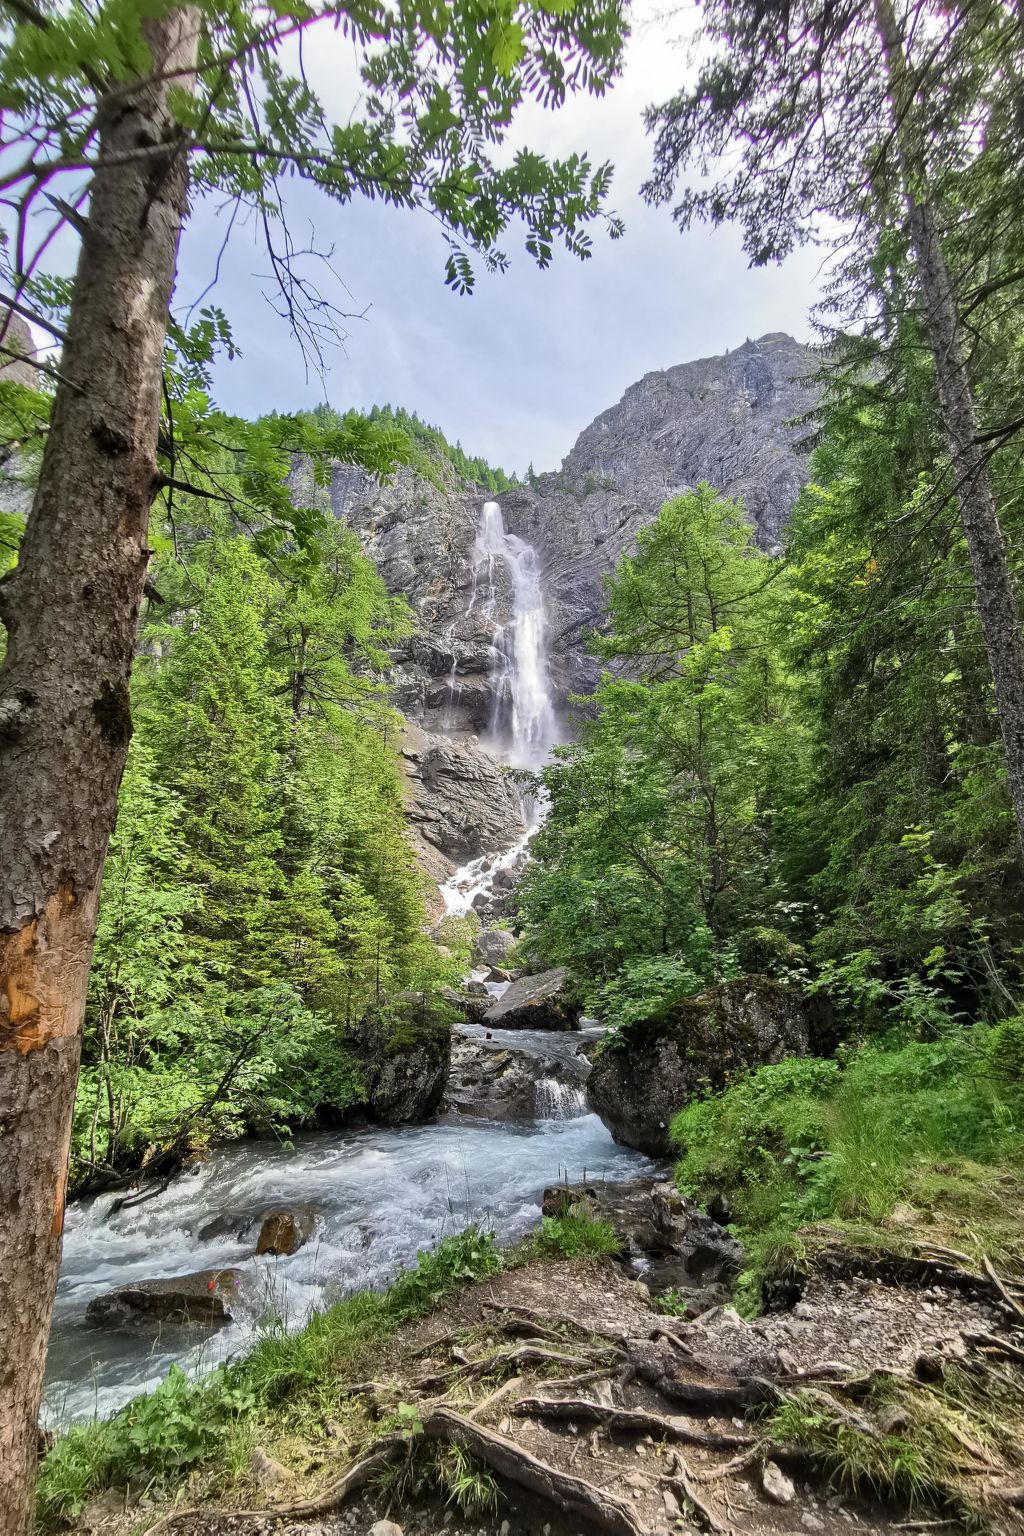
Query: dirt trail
{"points": [[642, 1425]]}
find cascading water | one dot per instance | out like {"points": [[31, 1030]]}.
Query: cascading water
{"points": [[524, 725], [524, 722]]}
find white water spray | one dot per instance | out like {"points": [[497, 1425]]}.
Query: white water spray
{"points": [[524, 725]]}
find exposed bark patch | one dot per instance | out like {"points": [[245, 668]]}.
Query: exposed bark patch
{"points": [[110, 437], [32, 1012]]}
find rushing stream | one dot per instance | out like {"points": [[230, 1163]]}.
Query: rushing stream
{"points": [[383, 1194], [380, 1194]]}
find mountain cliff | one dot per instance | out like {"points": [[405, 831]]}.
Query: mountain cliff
{"points": [[731, 420], [728, 420]]}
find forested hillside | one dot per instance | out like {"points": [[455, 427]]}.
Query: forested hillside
{"points": [[261, 897]]}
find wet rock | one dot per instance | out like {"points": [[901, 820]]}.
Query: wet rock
{"points": [[284, 1231], [202, 1299], [536, 1002], [406, 1050], [641, 1081], [491, 1082], [654, 1221], [471, 1005], [491, 946], [775, 1485]]}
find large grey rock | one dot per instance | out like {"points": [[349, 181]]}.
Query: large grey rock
{"points": [[656, 1224], [641, 1080], [492, 945], [202, 1299], [536, 1002], [491, 1080], [406, 1051], [459, 798]]}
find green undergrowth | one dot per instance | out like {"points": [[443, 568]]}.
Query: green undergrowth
{"points": [[921, 1445], [889, 1142], [289, 1381], [573, 1235]]}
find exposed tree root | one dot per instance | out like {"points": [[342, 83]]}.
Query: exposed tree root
{"points": [[1000, 1285], [998, 1346], [524, 1354], [560, 1320], [630, 1421], [355, 1477], [729, 1397], [683, 1479], [574, 1495]]}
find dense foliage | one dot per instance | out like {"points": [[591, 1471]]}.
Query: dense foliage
{"points": [[912, 1121], [792, 764], [260, 894]]}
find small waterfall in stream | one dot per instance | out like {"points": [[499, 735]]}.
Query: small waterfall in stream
{"points": [[524, 722]]}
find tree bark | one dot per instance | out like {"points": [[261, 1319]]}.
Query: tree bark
{"points": [[994, 585], [70, 610]]}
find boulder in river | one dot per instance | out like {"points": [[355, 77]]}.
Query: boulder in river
{"points": [[646, 1076], [407, 1054], [492, 945], [536, 1002], [678, 1245], [284, 1231], [202, 1299], [471, 1005]]}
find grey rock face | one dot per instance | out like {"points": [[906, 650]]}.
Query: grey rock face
{"points": [[640, 1083], [407, 1055], [720, 419], [17, 339], [460, 801], [536, 1002]]}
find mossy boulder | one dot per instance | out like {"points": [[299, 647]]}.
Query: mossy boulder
{"points": [[650, 1071], [407, 1048]]}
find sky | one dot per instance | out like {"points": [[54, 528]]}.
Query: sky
{"points": [[518, 369]]}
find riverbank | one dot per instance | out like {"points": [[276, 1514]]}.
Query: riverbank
{"points": [[536, 1392]]}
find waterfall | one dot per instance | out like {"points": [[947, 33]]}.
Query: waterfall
{"points": [[524, 726]]}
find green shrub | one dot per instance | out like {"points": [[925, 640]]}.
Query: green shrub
{"points": [[574, 1235], [811, 1140]]}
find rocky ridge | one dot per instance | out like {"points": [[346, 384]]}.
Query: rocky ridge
{"points": [[728, 420]]}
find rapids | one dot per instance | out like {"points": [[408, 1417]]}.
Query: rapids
{"points": [[384, 1194]]}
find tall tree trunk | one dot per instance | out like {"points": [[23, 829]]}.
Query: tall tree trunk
{"points": [[70, 610], [994, 586]]}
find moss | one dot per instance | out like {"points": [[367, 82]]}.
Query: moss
{"points": [[112, 711]]}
